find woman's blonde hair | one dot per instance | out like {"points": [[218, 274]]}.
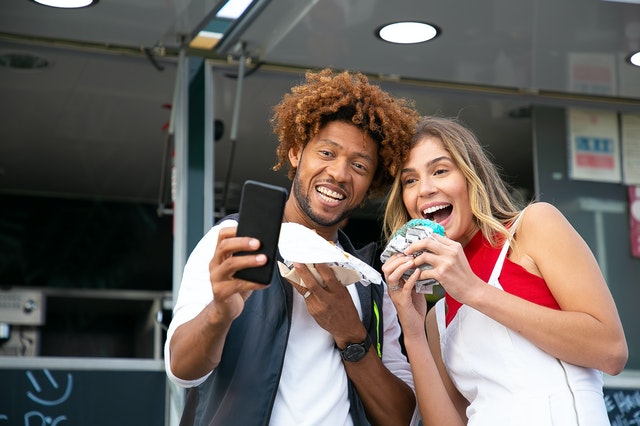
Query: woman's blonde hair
{"points": [[492, 205]]}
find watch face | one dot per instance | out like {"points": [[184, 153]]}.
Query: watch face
{"points": [[354, 352]]}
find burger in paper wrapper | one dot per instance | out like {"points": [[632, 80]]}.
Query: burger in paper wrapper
{"points": [[414, 230], [300, 244]]}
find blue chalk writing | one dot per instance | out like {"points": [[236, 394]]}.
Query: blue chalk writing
{"points": [[54, 384]]}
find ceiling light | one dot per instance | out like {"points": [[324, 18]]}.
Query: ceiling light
{"points": [[407, 32], [213, 31], [233, 9], [67, 4], [634, 59]]}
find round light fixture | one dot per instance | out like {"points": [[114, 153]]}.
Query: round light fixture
{"points": [[407, 32], [634, 59], [67, 4]]}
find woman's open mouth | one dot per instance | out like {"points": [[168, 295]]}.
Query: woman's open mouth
{"points": [[437, 213]]}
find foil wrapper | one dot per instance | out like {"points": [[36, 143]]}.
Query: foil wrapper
{"points": [[412, 231]]}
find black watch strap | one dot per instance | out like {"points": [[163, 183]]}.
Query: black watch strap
{"points": [[354, 352]]}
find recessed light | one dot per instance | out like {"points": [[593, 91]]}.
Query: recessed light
{"points": [[634, 59], [66, 4], [407, 32]]}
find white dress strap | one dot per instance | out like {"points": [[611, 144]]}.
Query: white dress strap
{"points": [[441, 311], [497, 269]]}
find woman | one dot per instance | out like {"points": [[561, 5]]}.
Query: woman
{"points": [[527, 325]]}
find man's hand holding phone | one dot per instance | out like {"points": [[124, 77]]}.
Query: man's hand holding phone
{"points": [[260, 217]]}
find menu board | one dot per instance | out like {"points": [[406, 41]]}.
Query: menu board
{"points": [[86, 397]]}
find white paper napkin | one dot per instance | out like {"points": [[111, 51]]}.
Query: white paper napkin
{"points": [[303, 245]]}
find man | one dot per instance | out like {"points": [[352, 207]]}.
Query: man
{"points": [[284, 354]]}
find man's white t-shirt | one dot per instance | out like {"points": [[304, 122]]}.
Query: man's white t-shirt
{"points": [[313, 387]]}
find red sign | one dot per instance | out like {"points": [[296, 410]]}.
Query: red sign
{"points": [[595, 161], [634, 219]]}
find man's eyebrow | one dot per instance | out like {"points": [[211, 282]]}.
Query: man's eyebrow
{"points": [[428, 164], [360, 154], [366, 157]]}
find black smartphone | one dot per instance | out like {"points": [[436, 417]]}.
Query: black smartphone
{"points": [[260, 216]]}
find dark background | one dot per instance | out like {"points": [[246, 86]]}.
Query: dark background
{"points": [[70, 243]]}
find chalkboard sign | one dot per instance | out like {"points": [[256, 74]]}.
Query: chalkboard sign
{"points": [[623, 406], [69, 397]]}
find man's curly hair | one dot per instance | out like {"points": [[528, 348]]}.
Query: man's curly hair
{"points": [[327, 96]]}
